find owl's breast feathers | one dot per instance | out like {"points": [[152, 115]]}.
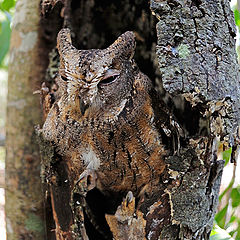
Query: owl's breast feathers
{"points": [[126, 151], [131, 149]]}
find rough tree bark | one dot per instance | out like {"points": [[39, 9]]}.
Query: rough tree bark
{"points": [[192, 62], [197, 60]]}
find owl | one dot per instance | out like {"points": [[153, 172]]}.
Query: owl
{"points": [[108, 124]]}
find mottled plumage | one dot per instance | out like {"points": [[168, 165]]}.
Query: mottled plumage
{"points": [[104, 119], [108, 129]]}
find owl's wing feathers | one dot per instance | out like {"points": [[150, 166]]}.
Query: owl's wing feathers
{"points": [[166, 123]]}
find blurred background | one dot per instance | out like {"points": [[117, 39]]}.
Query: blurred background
{"points": [[227, 220]]}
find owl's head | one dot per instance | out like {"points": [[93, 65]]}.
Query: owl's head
{"points": [[97, 78]]}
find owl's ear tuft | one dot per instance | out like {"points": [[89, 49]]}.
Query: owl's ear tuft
{"points": [[64, 42], [124, 46]]}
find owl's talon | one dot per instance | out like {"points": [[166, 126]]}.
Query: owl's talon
{"points": [[129, 198], [128, 204]]}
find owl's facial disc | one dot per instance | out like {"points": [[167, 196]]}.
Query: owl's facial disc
{"points": [[95, 79]]}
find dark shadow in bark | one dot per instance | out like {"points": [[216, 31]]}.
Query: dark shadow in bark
{"points": [[97, 24]]}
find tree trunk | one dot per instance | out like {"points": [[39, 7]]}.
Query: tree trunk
{"points": [[191, 60], [197, 60], [24, 198]]}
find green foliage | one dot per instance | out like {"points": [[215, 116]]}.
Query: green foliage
{"points": [[227, 155], [237, 17], [220, 217], [5, 33], [7, 5], [219, 234], [237, 21], [227, 221], [6, 11], [235, 196]]}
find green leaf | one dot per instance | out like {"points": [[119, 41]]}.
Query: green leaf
{"points": [[237, 17], [235, 196], [218, 233], [227, 155], [238, 232], [5, 33], [232, 232], [7, 5], [220, 216], [233, 218]]}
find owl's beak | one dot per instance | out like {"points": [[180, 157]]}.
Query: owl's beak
{"points": [[83, 107]]}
